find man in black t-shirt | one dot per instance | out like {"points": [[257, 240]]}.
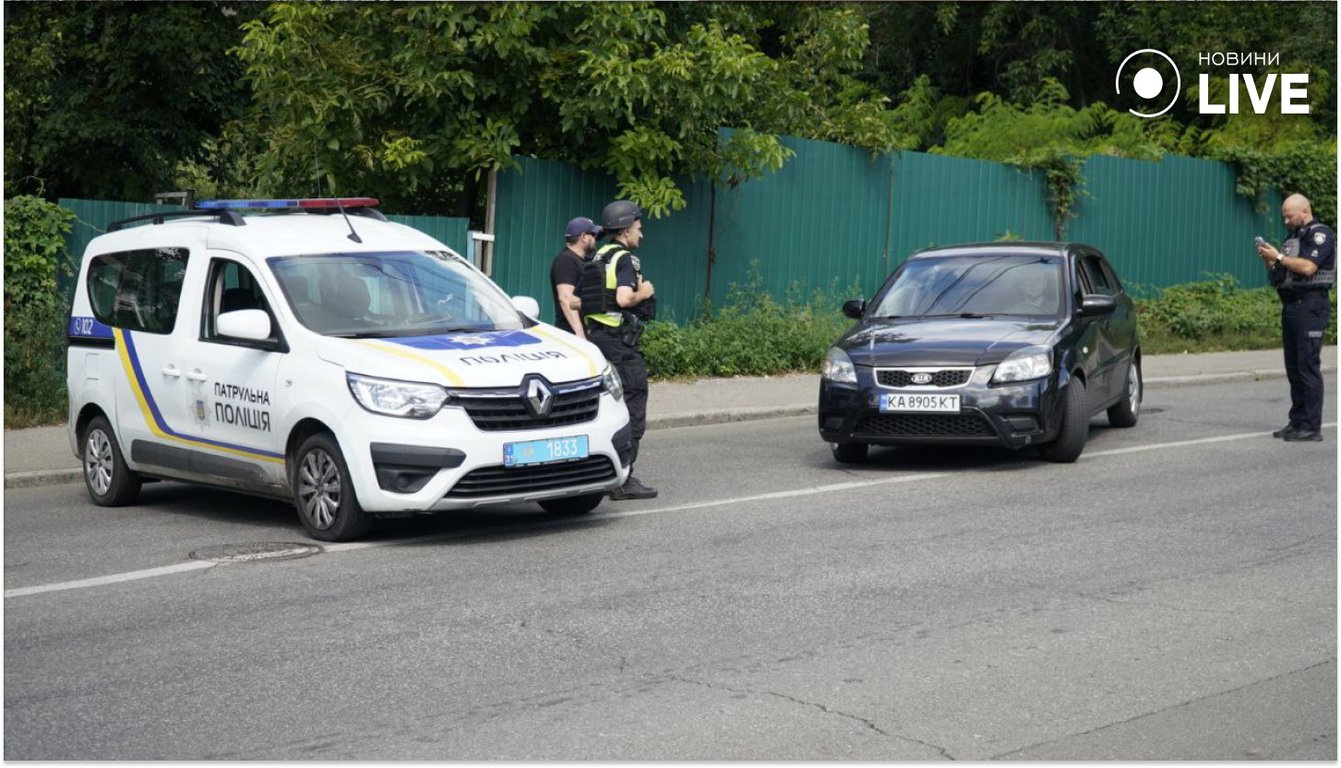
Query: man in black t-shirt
{"points": [[580, 236]]}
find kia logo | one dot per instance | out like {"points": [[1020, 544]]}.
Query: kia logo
{"points": [[921, 378]]}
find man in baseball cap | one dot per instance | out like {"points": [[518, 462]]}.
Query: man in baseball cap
{"points": [[580, 239]]}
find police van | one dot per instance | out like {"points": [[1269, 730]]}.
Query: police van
{"points": [[312, 350]]}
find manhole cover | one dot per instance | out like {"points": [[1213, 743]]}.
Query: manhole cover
{"points": [[260, 552]]}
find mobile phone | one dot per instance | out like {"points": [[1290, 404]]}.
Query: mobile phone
{"points": [[1258, 240]]}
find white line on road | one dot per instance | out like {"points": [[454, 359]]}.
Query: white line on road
{"points": [[195, 565]]}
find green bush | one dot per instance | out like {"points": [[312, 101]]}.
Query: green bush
{"points": [[1214, 315], [35, 313], [752, 335]]}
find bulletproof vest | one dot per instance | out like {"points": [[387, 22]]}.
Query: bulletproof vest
{"points": [[596, 285], [1294, 245]]}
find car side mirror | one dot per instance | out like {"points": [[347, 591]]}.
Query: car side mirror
{"points": [[248, 324], [1097, 304], [854, 308], [527, 306]]}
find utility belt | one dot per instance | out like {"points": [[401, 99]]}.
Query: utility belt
{"points": [[1302, 297], [629, 331]]}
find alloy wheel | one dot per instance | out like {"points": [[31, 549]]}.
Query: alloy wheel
{"points": [[98, 461]]}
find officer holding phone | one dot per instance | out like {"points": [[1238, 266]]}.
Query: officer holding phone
{"points": [[1303, 271]]}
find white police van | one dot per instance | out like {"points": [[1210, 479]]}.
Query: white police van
{"points": [[318, 352]]}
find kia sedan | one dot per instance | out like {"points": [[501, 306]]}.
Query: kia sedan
{"points": [[1009, 344]]}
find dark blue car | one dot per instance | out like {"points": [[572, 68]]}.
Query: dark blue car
{"points": [[1012, 344]]}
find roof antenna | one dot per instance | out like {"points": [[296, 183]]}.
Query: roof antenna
{"points": [[352, 234]]}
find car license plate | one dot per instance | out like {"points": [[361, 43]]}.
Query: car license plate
{"points": [[900, 403], [545, 451]]}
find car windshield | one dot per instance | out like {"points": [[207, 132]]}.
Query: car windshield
{"points": [[399, 293], [988, 285]]}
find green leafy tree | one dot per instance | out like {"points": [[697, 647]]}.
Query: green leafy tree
{"points": [[105, 99], [34, 312]]}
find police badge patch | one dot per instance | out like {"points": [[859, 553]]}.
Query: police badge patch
{"points": [[1319, 238]]}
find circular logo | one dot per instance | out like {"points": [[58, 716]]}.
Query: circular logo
{"points": [[1148, 83]]}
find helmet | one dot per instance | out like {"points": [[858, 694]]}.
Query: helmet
{"points": [[619, 215]]}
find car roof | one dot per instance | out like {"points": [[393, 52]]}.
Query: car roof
{"points": [[996, 248], [274, 234]]}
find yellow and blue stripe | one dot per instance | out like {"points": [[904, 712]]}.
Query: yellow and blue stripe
{"points": [[153, 416]]}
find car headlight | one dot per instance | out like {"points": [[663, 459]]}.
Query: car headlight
{"points": [[610, 383], [838, 367], [407, 399], [1023, 365]]}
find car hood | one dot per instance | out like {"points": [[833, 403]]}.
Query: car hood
{"points": [[942, 341], [473, 359]]}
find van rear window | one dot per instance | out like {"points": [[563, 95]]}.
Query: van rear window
{"points": [[137, 290]]}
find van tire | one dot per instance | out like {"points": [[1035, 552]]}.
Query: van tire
{"points": [[1075, 429], [573, 505], [323, 493], [109, 481]]}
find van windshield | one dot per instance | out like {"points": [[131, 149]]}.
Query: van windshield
{"points": [[397, 293]]}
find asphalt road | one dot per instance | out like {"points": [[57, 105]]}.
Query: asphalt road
{"points": [[1170, 596]]}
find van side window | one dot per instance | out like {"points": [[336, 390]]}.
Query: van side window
{"points": [[231, 287], [137, 290]]}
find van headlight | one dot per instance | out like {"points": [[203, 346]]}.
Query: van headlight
{"points": [[610, 383], [406, 399], [838, 367], [1023, 365]]}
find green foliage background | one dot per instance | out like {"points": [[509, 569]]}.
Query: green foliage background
{"points": [[35, 317]]}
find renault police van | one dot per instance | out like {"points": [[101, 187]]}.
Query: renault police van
{"points": [[311, 350]]}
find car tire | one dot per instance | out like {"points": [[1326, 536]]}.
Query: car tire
{"points": [[323, 493], [1075, 427], [573, 505], [109, 481], [1125, 412], [849, 453]]}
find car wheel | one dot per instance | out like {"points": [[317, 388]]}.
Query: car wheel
{"points": [[849, 453], [573, 505], [109, 481], [323, 492], [1126, 411], [1075, 426]]}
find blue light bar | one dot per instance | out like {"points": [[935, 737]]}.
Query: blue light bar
{"points": [[320, 202]]}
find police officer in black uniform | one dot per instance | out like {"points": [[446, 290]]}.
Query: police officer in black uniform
{"points": [[615, 306], [1303, 271]]}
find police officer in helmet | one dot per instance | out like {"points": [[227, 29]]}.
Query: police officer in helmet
{"points": [[616, 301], [1303, 271]]}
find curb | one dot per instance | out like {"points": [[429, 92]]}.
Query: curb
{"points": [[725, 416]]}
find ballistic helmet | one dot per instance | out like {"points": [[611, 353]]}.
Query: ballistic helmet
{"points": [[619, 215]]}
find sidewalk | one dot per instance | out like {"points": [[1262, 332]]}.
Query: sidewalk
{"points": [[42, 456]]}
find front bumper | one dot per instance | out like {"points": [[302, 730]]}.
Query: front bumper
{"points": [[1011, 415], [446, 462]]}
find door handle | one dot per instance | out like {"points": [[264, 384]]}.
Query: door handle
{"points": [[172, 371], [196, 375]]}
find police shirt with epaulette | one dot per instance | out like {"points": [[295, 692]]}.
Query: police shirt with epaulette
{"points": [[1316, 242]]}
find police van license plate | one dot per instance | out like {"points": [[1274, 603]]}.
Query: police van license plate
{"points": [[545, 451], [903, 403]]}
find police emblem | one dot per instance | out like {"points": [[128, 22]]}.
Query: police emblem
{"points": [[201, 413], [1319, 238]]}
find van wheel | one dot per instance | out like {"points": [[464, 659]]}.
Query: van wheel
{"points": [[849, 453], [1075, 427], [109, 481], [573, 505], [1126, 411], [323, 493]]}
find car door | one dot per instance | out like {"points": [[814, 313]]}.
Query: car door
{"points": [[1108, 353], [1121, 327], [1087, 331], [229, 383], [138, 293]]}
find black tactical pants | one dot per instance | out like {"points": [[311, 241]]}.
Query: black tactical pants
{"points": [[1303, 319], [628, 362]]}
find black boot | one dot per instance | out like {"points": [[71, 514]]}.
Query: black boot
{"points": [[632, 489]]}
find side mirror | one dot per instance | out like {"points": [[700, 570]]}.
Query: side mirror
{"points": [[854, 308], [1097, 304], [527, 306], [249, 324]]}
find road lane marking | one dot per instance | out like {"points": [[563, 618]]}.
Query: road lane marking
{"points": [[193, 565], [568, 521]]}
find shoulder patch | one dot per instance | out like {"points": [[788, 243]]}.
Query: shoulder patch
{"points": [[1319, 237]]}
